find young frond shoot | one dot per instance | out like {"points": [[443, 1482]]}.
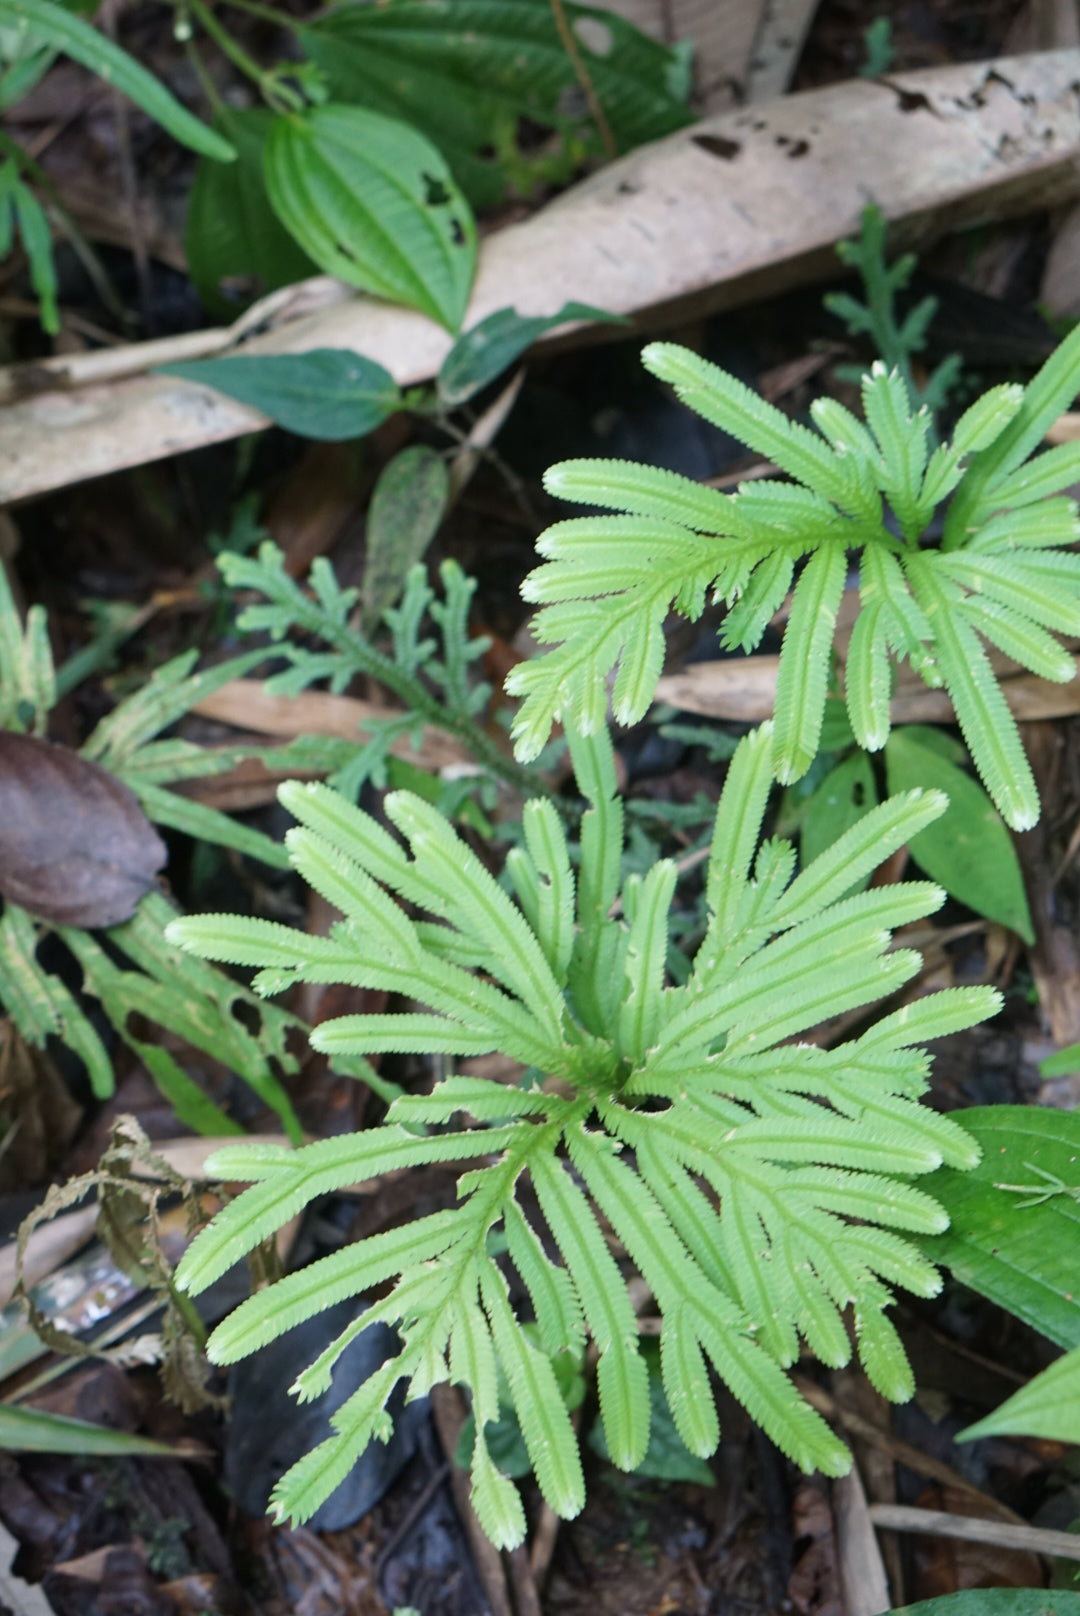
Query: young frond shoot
{"points": [[760, 1186], [1002, 575]]}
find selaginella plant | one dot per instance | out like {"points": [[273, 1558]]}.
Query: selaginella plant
{"points": [[760, 1186], [936, 586]]}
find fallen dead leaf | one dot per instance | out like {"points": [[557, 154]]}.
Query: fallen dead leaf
{"points": [[743, 689], [249, 705], [75, 846], [783, 27], [724, 38]]}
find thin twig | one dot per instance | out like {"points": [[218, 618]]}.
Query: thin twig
{"points": [[523, 1582], [901, 1452], [970, 1529], [582, 72], [543, 1544]]}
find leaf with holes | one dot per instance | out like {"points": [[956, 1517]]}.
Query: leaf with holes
{"points": [[373, 202], [328, 393], [840, 801]]}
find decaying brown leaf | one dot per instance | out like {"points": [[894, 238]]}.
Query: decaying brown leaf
{"points": [[75, 846], [744, 689], [248, 704], [38, 1114], [131, 1181]]}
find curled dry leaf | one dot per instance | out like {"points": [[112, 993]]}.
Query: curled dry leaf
{"points": [[75, 846]]}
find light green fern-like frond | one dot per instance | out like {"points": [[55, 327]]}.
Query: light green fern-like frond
{"points": [[1002, 576], [761, 1188], [430, 673]]}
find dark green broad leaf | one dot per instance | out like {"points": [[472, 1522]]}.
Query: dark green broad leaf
{"points": [[373, 202], [846, 793], [488, 348], [1047, 1406], [667, 1457], [328, 393], [236, 246], [465, 72], [969, 850], [997, 1602], [55, 25], [31, 1430], [1019, 1244], [406, 508]]}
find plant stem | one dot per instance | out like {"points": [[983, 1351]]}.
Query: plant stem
{"points": [[412, 693], [279, 97], [415, 695], [570, 46], [216, 102], [268, 13]]}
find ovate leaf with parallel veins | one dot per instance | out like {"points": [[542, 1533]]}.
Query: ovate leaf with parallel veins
{"points": [[236, 246], [464, 74], [373, 202], [998, 1602]]}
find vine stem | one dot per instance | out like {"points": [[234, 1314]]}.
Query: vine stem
{"points": [[577, 61]]}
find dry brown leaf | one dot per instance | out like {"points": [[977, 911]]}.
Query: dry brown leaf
{"points": [[723, 31], [38, 1113], [783, 27], [75, 846], [814, 1588], [730, 210], [247, 704], [743, 689]]}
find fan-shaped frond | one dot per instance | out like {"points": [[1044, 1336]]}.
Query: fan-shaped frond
{"points": [[854, 488], [762, 1189]]}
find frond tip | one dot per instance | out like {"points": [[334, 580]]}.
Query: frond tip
{"points": [[1002, 578], [761, 1187]]}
